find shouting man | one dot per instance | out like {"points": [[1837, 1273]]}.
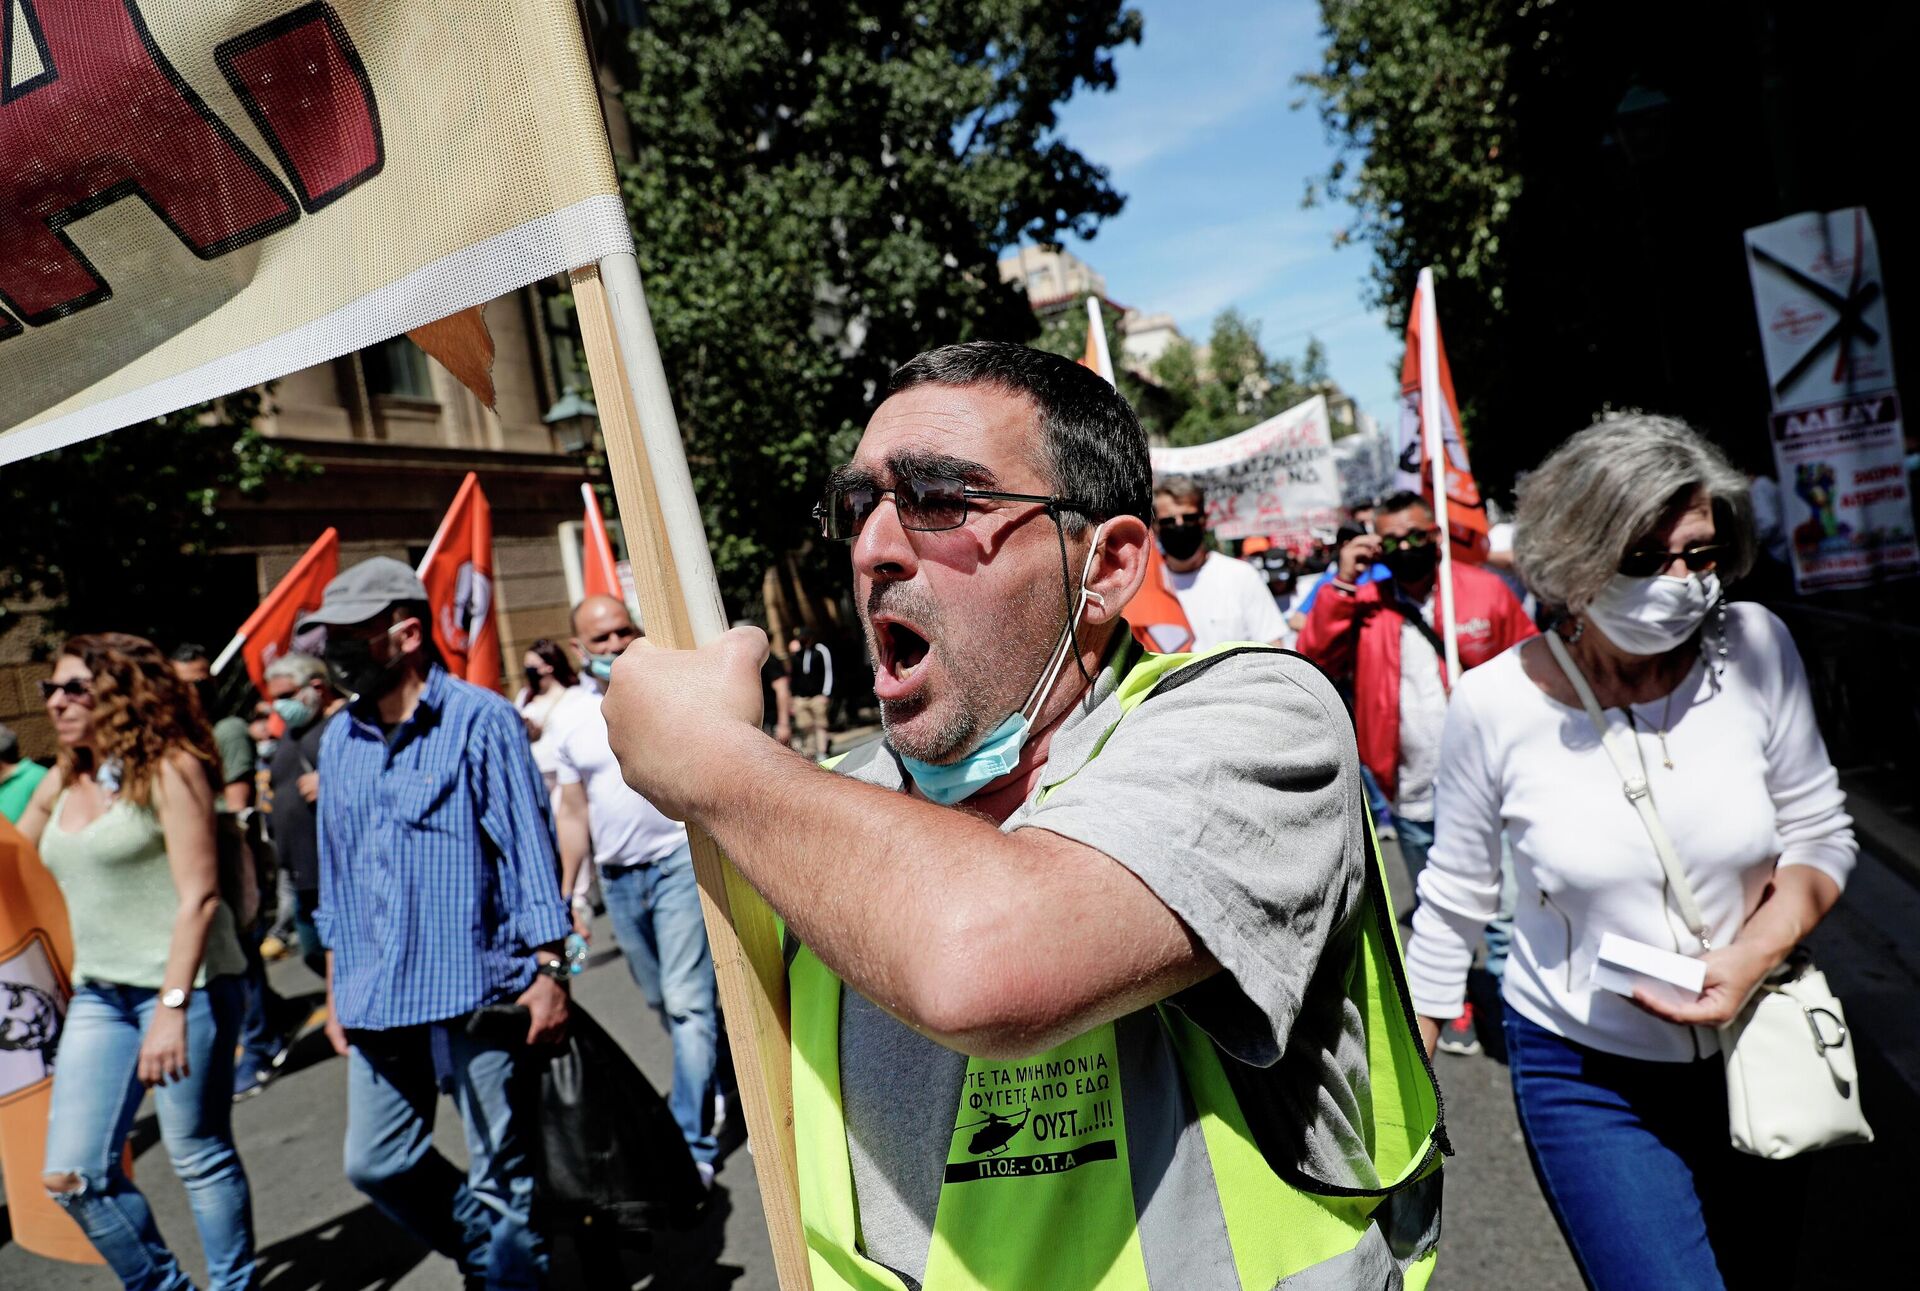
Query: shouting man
{"points": [[1130, 1016]]}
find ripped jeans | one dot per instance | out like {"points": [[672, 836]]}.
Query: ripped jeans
{"points": [[95, 1096]]}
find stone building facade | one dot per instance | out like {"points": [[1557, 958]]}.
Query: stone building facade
{"points": [[393, 433]]}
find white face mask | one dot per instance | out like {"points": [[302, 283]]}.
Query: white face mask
{"points": [[1653, 615]]}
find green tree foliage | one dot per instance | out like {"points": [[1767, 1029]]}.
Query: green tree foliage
{"points": [[820, 192], [1065, 333], [1191, 398], [1235, 384], [117, 532]]}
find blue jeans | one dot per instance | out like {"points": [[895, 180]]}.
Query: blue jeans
{"points": [[1376, 800], [95, 1095], [1634, 1160], [1416, 839], [1500, 930], [655, 910], [482, 1222]]}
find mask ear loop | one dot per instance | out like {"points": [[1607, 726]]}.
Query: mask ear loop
{"points": [[1070, 634]]}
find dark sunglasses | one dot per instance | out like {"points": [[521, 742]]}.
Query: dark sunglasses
{"points": [[73, 688], [1418, 538], [1645, 564], [926, 504], [1167, 524]]}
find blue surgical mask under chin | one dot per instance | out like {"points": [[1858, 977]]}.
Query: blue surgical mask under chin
{"points": [[601, 665], [999, 753], [956, 781]]}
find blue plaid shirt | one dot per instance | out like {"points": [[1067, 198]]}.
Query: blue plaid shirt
{"points": [[438, 875]]}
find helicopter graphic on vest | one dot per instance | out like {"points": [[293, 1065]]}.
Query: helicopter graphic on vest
{"points": [[996, 1132]]}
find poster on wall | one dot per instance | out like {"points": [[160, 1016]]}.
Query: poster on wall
{"points": [[1275, 479], [1822, 310]]}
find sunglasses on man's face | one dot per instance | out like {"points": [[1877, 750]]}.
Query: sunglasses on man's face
{"points": [[1171, 524], [924, 503], [1645, 564], [1415, 538], [72, 688]]}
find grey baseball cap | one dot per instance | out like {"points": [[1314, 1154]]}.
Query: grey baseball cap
{"points": [[364, 591]]}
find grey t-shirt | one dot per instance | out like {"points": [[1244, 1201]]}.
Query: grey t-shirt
{"points": [[1233, 792]]}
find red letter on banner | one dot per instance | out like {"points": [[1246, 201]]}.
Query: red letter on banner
{"points": [[304, 85], [110, 118]]}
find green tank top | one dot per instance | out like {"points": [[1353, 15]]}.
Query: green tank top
{"points": [[121, 899]]}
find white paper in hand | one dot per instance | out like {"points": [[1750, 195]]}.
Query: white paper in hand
{"points": [[1625, 964]]}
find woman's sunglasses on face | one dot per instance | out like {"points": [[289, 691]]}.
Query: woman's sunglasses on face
{"points": [[1645, 564], [72, 688]]}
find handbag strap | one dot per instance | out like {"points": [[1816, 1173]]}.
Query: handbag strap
{"points": [[1633, 782]]}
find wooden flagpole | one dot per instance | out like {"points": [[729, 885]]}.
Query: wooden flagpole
{"points": [[680, 608]]}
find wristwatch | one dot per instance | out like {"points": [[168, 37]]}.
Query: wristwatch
{"points": [[556, 969], [173, 998]]}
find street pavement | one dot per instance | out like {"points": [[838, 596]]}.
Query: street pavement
{"points": [[317, 1234]]}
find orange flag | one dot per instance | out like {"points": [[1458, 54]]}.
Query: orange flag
{"points": [[35, 949], [600, 575], [458, 572], [1154, 613], [1466, 511], [268, 632]]}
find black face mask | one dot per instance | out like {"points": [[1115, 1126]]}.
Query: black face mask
{"points": [[534, 677], [1179, 542], [1411, 564], [357, 671], [208, 688]]}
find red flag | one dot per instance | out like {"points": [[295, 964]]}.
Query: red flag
{"points": [[601, 576], [1466, 512], [268, 632], [458, 572], [1154, 613]]}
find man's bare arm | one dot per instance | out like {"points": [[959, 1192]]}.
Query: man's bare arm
{"points": [[997, 945]]}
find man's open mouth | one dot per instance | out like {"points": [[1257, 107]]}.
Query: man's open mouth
{"points": [[900, 649]]}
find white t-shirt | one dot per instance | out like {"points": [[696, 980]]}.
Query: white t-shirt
{"points": [[1751, 787], [556, 714], [1227, 600], [627, 829], [1423, 713]]}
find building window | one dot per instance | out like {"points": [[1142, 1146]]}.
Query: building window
{"points": [[1039, 282], [397, 367]]}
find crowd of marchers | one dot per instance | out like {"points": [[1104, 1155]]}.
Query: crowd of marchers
{"points": [[1192, 837]]}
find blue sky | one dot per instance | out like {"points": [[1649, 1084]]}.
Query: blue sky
{"points": [[1202, 138]]}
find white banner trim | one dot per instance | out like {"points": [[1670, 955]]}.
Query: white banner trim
{"points": [[564, 240]]}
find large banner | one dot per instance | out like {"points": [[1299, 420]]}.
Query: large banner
{"points": [[1277, 479], [1836, 423], [196, 197]]}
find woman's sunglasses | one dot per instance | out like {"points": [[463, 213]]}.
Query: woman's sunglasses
{"points": [[1645, 564], [926, 504], [72, 688]]}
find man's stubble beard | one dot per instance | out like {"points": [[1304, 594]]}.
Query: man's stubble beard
{"points": [[977, 700]]}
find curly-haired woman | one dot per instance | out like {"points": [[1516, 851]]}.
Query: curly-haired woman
{"points": [[125, 822]]}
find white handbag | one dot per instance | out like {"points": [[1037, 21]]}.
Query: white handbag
{"points": [[1792, 1083]]}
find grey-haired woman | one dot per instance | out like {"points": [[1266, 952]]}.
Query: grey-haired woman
{"points": [[1633, 525]]}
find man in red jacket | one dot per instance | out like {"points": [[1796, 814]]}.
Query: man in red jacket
{"points": [[1383, 637]]}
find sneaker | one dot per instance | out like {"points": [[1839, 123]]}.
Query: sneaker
{"points": [[706, 1174], [272, 949], [250, 1076], [719, 1114], [1457, 1036], [1387, 834]]}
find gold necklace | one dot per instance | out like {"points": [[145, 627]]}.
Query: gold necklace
{"points": [[1666, 723]]}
